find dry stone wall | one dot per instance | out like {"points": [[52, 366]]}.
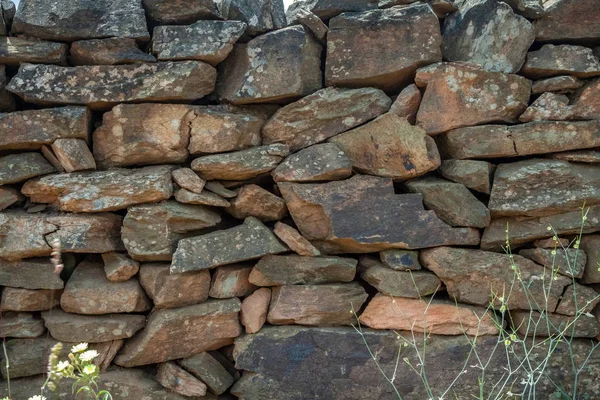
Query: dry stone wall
{"points": [[226, 181]]}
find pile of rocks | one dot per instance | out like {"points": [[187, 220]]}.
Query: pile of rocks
{"points": [[228, 181]]}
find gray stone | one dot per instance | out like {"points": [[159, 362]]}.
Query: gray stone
{"points": [[176, 290], [217, 188], [531, 323], [204, 198], [260, 15], [29, 300], [532, 9], [8, 197], [321, 162], [411, 284], [23, 235], [581, 156], [21, 325], [311, 22], [591, 245], [474, 174], [557, 84], [173, 377], [109, 51], [578, 299], [181, 12], [209, 370], [32, 273], [400, 260], [572, 21], [20, 167], [553, 60], [14, 51], [568, 261], [326, 9]]}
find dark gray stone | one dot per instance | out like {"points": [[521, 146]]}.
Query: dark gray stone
{"points": [[181, 12], [110, 51], [260, 15], [23, 166], [14, 51]]}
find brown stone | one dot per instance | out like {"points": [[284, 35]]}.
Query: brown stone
{"points": [[188, 179], [248, 74], [315, 305], [181, 12], [91, 233], [311, 22], [407, 103], [173, 377], [108, 51], [102, 190], [17, 50], [534, 324], [204, 198], [591, 245], [294, 240], [399, 260], [209, 326], [581, 156], [411, 284], [321, 162], [557, 84], [231, 281], [433, 317], [176, 290], [21, 325], [553, 60], [459, 95], [568, 261], [51, 157], [8, 197], [28, 300], [389, 147], [324, 114], [360, 215], [572, 21], [29, 274], [89, 292], [474, 174], [20, 167], [551, 243], [23, 235], [353, 60], [209, 370], [73, 154], [254, 310], [118, 267], [7, 100], [578, 299], [254, 201]]}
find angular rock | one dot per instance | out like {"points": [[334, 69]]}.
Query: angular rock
{"points": [[557, 84], [241, 165], [249, 75], [73, 154], [254, 201], [8, 197], [433, 317], [400, 260], [409, 284], [360, 215], [578, 299], [324, 114], [274, 270], [311, 22], [353, 61], [176, 290], [459, 95], [95, 19], [109, 51], [474, 276], [118, 267], [591, 245], [7, 101], [231, 281], [321, 162], [407, 103], [21, 325], [28, 300], [103, 86], [315, 305], [173, 377], [551, 60], [532, 323], [260, 15], [220, 190], [573, 21], [91, 329], [102, 190], [29, 274], [210, 371], [207, 41], [14, 51], [476, 175], [205, 198], [188, 179], [452, 202], [20, 167], [248, 241], [294, 240], [23, 235], [151, 231], [581, 156], [210, 326], [181, 12], [551, 243], [489, 34], [532, 9], [569, 262], [89, 292], [254, 310], [389, 147], [33, 128], [77, 233], [326, 9]]}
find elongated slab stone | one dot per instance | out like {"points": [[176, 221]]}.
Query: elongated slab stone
{"points": [[109, 51], [209, 370], [573, 21], [14, 51], [23, 235], [29, 300], [91, 233], [568, 261], [177, 290], [22, 166], [321, 162], [181, 12], [173, 377], [474, 174], [21, 325], [551, 60], [407, 284], [35, 273]]}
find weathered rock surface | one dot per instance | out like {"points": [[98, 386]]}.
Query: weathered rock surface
{"points": [[7, 100], [28, 300], [8, 197], [173, 377], [95, 19], [73, 154], [29, 274], [249, 75], [411, 284], [551, 243], [553, 60], [321, 162], [532, 9], [248, 241], [20, 167], [294, 240], [181, 12], [311, 22], [231, 281], [318, 305], [532, 323], [474, 174], [569, 262], [210, 326], [326, 9], [407, 103], [578, 299], [324, 114], [102, 86], [217, 188], [254, 201], [188, 179], [591, 245], [260, 15], [254, 310], [118, 267], [23, 235], [435, 317], [459, 95], [566, 20], [389, 147], [151, 231], [353, 60], [273, 270], [176, 290], [359, 215], [209, 370], [77, 233], [89, 292], [582, 156], [463, 271], [207, 41], [109, 51], [204, 198], [400, 260], [14, 50], [102, 190], [21, 325], [557, 84]]}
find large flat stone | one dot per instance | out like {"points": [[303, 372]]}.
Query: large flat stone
{"points": [[14, 51], [321, 162], [181, 12], [567, 261], [531, 323], [81, 233], [565, 20], [260, 15], [109, 51], [176, 290], [407, 284], [23, 235], [474, 174], [551, 60], [21, 325], [209, 370], [29, 300], [326, 9], [20, 167]]}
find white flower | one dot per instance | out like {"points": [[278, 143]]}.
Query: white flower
{"points": [[61, 366], [79, 348], [89, 369], [88, 355], [37, 397]]}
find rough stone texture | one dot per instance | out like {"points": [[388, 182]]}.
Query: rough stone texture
{"points": [[573, 21], [452, 202], [240, 165], [316, 305], [253, 71], [209, 370], [91, 329], [254, 310], [311, 22], [181, 12], [89, 292], [210, 326], [15, 226], [321, 162], [20, 167], [354, 61], [33, 128], [73, 154], [231, 281], [551, 243], [531, 323], [28, 300], [578, 299], [118, 267], [94, 19], [103, 86], [21, 325], [532, 9], [294, 240], [208, 41], [551, 60], [389, 147], [7, 100], [109, 51], [14, 50], [177, 290], [557, 84], [217, 188], [8, 197], [173, 377], [254, 201], [151, 231], [188, 179], [407, 103], [248, 241], [435, 317], [474, 276], [568, 261], [401, 283], [591, 245], [489, 34], [359, 215], [205, 198], [536, 188], [274, 270], [260, 15], [29, 274], [582, 156], [324, 114], [476, 175], [326, 9], [459, 95], [400, 260]]}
